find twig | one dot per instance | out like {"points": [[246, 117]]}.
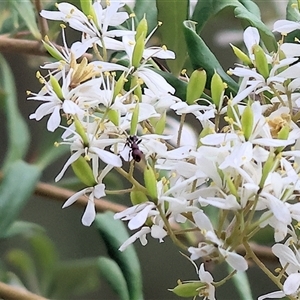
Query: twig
{"points": [[62, 194], [20, 46], [42, 21], [9, 292]]}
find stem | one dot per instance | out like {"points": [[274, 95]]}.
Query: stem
{"points": [[170, 230], [42, 22], [180, 129], [132, 180], [259, 263], [221, 282]]}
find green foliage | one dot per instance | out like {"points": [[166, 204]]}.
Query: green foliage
{"points": [[17, 130], [15, 189], [172, 20], [114, 234]]}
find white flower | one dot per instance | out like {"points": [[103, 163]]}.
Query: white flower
{"points": [[235, 260], [97, 191], [285, 26]]}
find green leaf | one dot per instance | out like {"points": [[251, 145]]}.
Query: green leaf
{"points": [[201, 57], [27, 13], [172, 20], [75, 277], [114, 234], [205, 9], [21, 260], [292, 14], [246, 10], [147, 8], [241, 282], [112, 273], [46, 258], [17, 131], [17, 185], [23, 228], [266, 34]]}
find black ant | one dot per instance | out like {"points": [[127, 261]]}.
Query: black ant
{"points": [[133, 143]]}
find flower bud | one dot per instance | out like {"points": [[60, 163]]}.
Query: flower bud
{"points": [[81, 131], [242, 56], [113, 116], [134, 119], [150, 182], [283, 134], [188, 289], [161, 123], [231, 186], [119, 86], [268, 166], [56, 87], [141, 30], [217, 90], [261, 63], [247, 122], [52, 51], [88, 9], [138, 51], [195, 86], [137, 197], [83, 171]]}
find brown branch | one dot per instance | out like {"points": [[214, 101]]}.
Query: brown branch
{"points": [[9, 292], [12, 45], [42, 21], [21, 46], [62, 194]]}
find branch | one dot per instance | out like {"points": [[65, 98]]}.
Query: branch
{"points": [[21, 46], [9, 292], [13, 45], [62, 194]]}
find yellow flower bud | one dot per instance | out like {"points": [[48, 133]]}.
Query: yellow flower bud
{"points": [[283, 134], [195, 86], [83, 171]]}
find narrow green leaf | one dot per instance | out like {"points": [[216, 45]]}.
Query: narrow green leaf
{"points": [[112, 273], [266, 34], [245, 10], [17, 131], [17, 185], [205, 9], [241, 282], [201, 57], [114, 234], [46, 258], [172, 20], [23, 228], [147, 8], [74, 278], [27, 13]]}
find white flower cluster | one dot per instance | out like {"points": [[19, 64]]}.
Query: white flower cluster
{"points": [[247, 171]]}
